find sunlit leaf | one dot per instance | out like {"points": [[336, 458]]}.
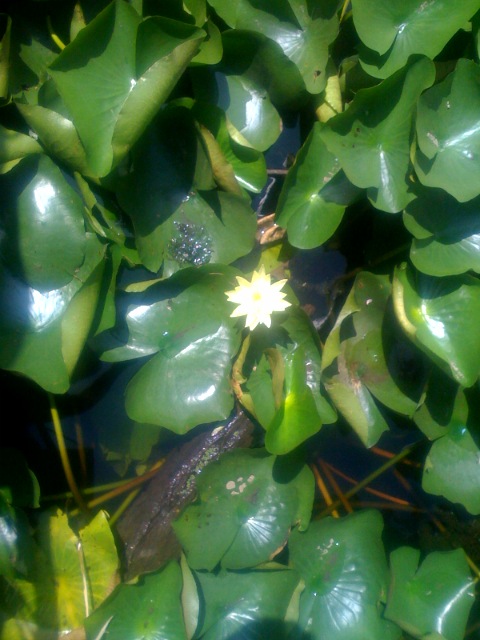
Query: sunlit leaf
{"points": [[150, 610], [434, 596], [252, 113], [314, 196], [42, 334], [448, 134], [452, 468], [393, 31], [101, 561], [447, 233], [359, 369], [113, 90], [43, 230], [345, 572], [246, 606], [245, 513], [13, 147], [307, 48], [371, 138], [440, 314]]}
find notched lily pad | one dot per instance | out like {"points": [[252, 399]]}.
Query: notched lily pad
{"points": [[242, 510], [434, 596], [345, 576]]}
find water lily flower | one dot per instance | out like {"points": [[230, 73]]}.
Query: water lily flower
{"points": [[257, 299]]}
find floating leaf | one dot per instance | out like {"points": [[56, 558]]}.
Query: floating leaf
{"points": [[246, 606], [452, 468], [44, 234], [251, 112], [371, 138], [314, 196], [174, 217], [194, 340], [447, 133], [345, 573], [355, 368], [42, 334], [435, 596], [101, 564], [149, 610], [13, 147], [392, 32], [444, 406], [307, 47], [447, 233], [111, 89], [440, 314], [243, 510]]}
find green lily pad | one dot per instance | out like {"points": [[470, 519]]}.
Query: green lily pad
{"points": [[44, 241], [245, 513], [235, 153], [251, 55], [194, 340], [358, 370], [175, 218], [101, 558], [440, 315], [307, 47], [392, 32], [435, 596], [112, 88], [447, 133], [281, 382], [251, 112], [13, 147], [446, 233], [345, 572], [314, 195], [42, 334], [444, 406], [452, 468], [371, 138], [149, 610], [297, 418], [246, 606]]}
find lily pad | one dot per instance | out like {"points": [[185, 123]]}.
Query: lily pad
{"points": [[251, 112], [358, 370], [149, 610], [446, 233], [13, 147], [447, 133], [307, 47], [44, 233], [243, 510], [346, 576], [194, 340], [314, 195], [246, 606], [371, 138], [113, 89], [452, 468], [392, 32], [42, 334], [440, 315], [167, 194], [434, 596]]}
